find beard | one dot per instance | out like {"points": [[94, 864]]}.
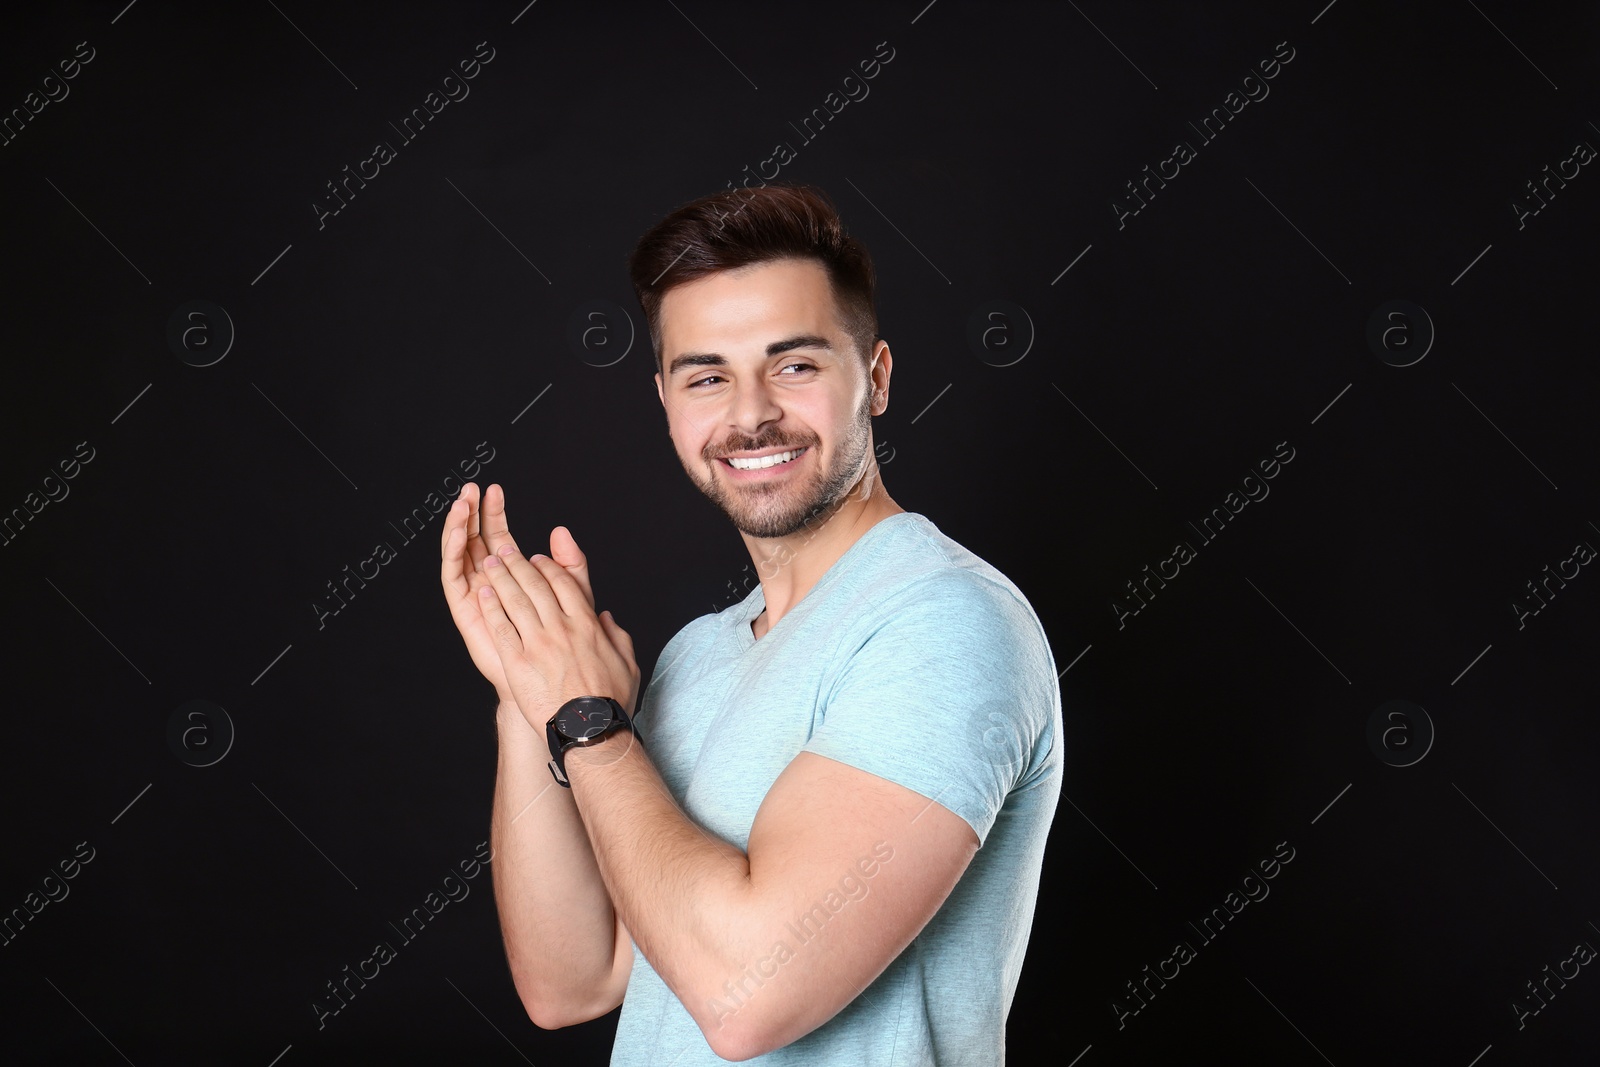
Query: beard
{"points": [[770, 510]]}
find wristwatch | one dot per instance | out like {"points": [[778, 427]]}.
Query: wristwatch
{"points": [[578, 723]]}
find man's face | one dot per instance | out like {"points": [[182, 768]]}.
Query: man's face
{"points": [[767, 400]]}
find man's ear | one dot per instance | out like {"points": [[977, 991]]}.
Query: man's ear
{"points": [[880, 368], [660, 392]]}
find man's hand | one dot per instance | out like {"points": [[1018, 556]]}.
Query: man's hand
{"points": [[470, 536], [551, 645]]}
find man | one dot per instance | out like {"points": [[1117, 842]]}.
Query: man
{"points": [[819, 839]]}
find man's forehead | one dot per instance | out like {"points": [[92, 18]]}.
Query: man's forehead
{"points": [[737, 309]]}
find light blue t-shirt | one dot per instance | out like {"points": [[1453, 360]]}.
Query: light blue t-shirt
{"points": [[911, 659]]}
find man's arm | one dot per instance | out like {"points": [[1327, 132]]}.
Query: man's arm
{"points": [[710, 918], [844, 868], [569, 953]]}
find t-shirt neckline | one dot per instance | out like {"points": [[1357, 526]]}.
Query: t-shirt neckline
{"points": [[756, 602]]}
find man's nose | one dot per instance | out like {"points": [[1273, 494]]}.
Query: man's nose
{"points": [[754, 405]]}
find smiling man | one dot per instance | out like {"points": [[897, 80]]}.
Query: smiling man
{"points": [[818, 839]]}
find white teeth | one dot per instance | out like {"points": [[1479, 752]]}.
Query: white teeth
{"points": [[763, 461]]}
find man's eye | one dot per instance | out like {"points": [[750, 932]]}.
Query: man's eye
{"points": [[704, 381], [798, 366]]}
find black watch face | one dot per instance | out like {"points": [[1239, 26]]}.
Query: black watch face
{"points": [[585, 718]]}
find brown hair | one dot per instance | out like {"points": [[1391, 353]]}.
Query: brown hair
{"points": [[739, 227]]}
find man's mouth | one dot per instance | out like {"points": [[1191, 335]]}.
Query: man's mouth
{"points": [[751, 463]]}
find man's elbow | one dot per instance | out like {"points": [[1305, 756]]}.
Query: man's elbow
{"points": [[556, 1011], [552, 1016], [738, 1029], [736, 1043]]}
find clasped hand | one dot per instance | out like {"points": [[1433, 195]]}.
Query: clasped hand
{"points": [[529, 622]]}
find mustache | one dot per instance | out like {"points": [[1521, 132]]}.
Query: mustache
{"points": [[770, 439]]}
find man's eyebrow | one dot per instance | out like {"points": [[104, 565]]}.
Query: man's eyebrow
{"points": [[776, 348]]}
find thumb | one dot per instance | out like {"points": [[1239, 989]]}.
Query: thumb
{"points": [[564, 550]]}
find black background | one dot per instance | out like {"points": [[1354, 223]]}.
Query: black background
{"points": [[1230, 314]]}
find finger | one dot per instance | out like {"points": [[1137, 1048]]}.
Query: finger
{"points": [[460, 585], [452, 556], [623, 644], [463, 513], [455, 570], [573, 598], [453, 518], [507, 637], [492, 519], [471, 543], [564, 550], [523, 589], [619, 636], [476, 549]]}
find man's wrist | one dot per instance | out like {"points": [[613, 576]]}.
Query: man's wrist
{"points": [[509, 719], [603, 751]]}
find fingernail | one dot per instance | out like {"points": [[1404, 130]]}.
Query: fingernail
{"points": [[491, 561], [506, 550]]}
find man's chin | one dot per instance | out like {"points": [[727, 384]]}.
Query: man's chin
{"points": [[766, 525], [770, 525], [768, 531], [744, 510]]}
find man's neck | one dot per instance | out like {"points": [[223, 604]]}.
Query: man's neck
{"points": [[790, 566]]}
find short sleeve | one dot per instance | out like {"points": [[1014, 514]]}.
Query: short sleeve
{"points": [[948, 691]]}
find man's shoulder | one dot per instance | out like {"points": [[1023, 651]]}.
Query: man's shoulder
{"points": [[936, 592], [927, 571]]}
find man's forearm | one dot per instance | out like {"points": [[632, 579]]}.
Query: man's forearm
{"points": [[685, 896], [555, 914]]}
